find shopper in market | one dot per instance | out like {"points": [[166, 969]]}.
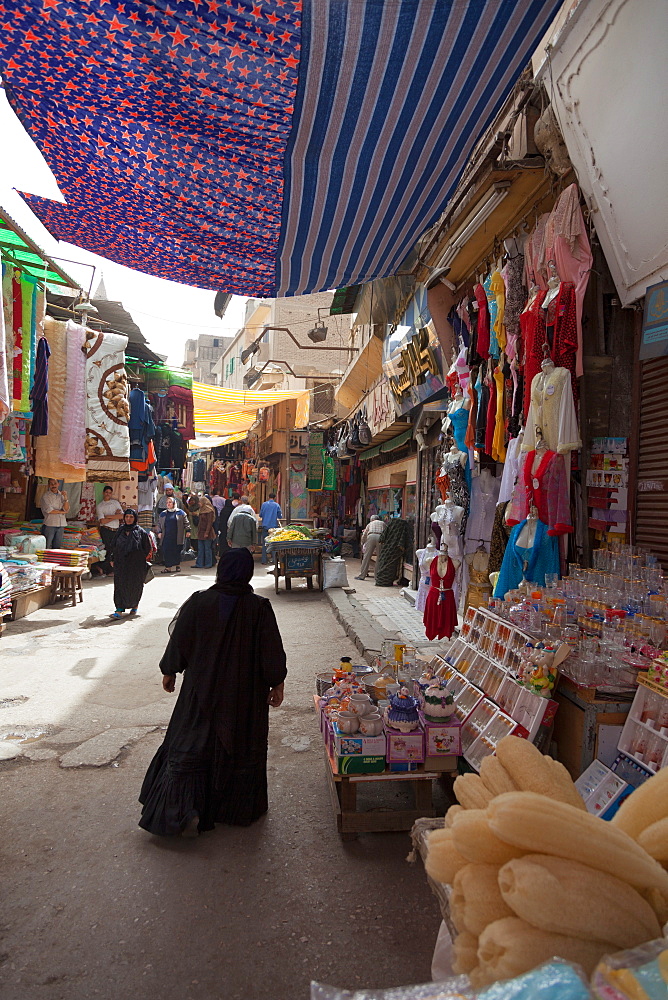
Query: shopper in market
{"points": [[371, 537], [212, 766], [191, 507], [206, 533], [132, 548], [223, 520], [242, 526], [109, 515], [270, 511], [173, 529], [162, 502], [55, 506]]}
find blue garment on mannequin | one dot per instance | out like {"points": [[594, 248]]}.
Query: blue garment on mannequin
{"points": [[460, 421], [543, 558]]}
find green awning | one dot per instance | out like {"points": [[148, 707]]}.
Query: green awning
{"points": [[391, 445], [397, 442], [17, 248]]}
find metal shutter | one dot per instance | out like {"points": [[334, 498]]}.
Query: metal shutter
{"points": [[652, 486]]}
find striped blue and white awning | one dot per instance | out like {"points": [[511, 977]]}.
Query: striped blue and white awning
{"points": [[267, 148]]}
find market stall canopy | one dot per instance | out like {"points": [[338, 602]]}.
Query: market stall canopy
{"points": [[228, 411], [260, 149]]}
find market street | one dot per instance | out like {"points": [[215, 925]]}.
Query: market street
{"points": [[94, 906]]}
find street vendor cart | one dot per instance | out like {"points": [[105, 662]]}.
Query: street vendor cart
{"points": [[294, 560]]}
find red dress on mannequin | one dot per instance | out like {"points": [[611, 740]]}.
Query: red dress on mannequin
{"points": [[440, 613]]}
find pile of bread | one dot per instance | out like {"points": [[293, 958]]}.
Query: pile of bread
{"points": [[535, 876]]}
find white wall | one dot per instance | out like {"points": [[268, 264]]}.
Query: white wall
{"points": [[608, 77]]}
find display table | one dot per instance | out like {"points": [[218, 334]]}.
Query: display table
{"points": [[350, 821], [297, 560], [581, 723]]}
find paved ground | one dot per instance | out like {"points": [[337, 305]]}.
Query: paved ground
{"points": [[92, 906]]}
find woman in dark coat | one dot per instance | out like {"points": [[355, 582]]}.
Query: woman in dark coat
{"points": [[212, 766], [132, 547], [223, 518], [173, 528]]}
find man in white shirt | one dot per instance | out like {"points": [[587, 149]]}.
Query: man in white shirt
{"points": [[55, 506], [370, 541], [109, 515]]}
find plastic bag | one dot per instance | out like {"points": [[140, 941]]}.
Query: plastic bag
{"points": [[334, 573], [626, 974], [457, 988]]}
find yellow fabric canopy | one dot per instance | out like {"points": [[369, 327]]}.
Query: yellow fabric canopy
{"points": [[232, 411]]}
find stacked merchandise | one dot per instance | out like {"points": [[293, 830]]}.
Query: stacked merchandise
{"points": [[64, 557], [534, 876], [5, 591], [607, 487], [25, 576]]}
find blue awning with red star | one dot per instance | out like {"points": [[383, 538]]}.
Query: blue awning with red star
{"points": [[272, 148]]}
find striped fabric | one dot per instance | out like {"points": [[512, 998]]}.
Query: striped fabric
{"points": [[266, 148], [233, 412]]}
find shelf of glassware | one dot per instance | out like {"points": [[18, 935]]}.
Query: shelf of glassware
{"points": [[644, 738]]}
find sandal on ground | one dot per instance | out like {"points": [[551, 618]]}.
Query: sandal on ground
{"points": [[117, 615], [178, 569], [165, 572], [133, 611]]}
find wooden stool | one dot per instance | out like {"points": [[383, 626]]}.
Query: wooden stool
{"points": [[66, 584]]}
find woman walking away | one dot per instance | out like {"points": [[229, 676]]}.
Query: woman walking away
{"points": [[223, 519], [173, 529], [206, 532], [132, 547], [212, 766]]}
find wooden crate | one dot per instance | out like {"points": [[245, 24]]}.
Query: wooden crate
{"points": [[579, 722], [29, 601]]}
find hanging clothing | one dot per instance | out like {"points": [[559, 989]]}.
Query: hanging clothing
{"points": [[440, 613], [490, 422], [567, 244], [515, 419], [534, 255], [483, 334], [516, 296], [213, 762], [561, 330], [498, 289], [500, 536], [510, 470], [552, 409], [182, 398], [532, 325], [469, 439], [457, 484], [482, 391], [546, 487], [459, 421], [39, 396], [541, 558], [389, 564], [492, 309], [499, 438], [425, 558], [75, 426], [484, 498], [479, 589]]}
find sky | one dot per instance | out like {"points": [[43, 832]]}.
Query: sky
{"points": [[167, 313]]}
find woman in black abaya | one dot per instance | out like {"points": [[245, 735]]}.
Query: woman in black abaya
{"points": [[212, 766], [132, 547]]}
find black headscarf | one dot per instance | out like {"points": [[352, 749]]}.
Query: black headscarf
{"points": [[235, 570], [128, 536]]}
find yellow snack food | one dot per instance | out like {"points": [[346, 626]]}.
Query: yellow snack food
{"points": [[654, 839], [532, 821], [495, 777], [450, 815], [565, 897], [476, 898], [644, 807], [511, 947], [464, 953], [533, 772], [473, 838], [470, 792], [443, 859]]}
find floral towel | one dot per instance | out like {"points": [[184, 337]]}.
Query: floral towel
{"points": [[108, 410]]}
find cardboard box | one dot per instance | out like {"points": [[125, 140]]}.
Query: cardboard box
{"points": [[355, 744], [405, 747], [442, 739], [443, 763], [360, 764], [405, 768]]}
